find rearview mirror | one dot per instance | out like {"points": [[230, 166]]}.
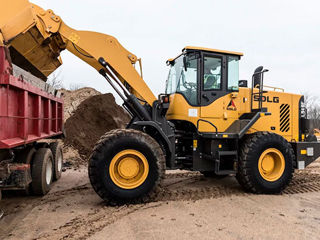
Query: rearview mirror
{"points": [[257, 76], [243, 83]]}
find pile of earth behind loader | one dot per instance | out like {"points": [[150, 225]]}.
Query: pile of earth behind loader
{"points": [[89, 114]]}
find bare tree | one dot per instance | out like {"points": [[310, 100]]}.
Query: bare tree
{"points": [[312, 104], [55, 80], [75, 86]]}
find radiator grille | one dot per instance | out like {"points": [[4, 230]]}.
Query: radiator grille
{"points": [[284, 117]]}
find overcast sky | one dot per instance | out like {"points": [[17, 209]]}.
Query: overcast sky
{"points": [[283, 36]]}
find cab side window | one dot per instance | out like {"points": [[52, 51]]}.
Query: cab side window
{"points": [[212, 73], [233, 73]]}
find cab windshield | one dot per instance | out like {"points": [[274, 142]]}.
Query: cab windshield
{"points": [[183, 78]]}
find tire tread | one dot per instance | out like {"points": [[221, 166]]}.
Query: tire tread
{"points": [[245, 176], [107, 139]]}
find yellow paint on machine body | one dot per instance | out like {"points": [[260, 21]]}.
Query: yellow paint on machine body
{"points": [[222, 117]]}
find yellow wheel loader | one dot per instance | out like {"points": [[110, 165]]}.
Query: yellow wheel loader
{"points": [[207, 120]]}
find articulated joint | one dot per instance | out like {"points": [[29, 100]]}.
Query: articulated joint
{"points": [[132, 58], [49, 20]]}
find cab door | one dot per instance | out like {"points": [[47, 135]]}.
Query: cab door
{"points": [[219, 79], [212, 84]]}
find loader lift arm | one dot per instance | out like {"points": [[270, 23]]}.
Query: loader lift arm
{"points": [[38, 36]]}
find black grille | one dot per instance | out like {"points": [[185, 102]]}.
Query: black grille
{"points": [[284, 117]]}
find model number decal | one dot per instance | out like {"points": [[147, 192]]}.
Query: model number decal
{"points": [[267, 99]]}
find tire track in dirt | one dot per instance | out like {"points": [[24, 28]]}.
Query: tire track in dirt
{"points": [[177, 187], [302, 182], [180, 180], [182, 175], [82, 227], [53, 197]]}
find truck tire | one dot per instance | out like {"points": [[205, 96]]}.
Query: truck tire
{"points": [[265, 163], [57, 154], [126, 166], [42, 171]]}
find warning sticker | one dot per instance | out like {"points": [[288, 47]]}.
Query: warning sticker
{"points": [[193, 112], [232, 106]]}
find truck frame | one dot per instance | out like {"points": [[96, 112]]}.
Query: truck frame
{"points": [[30, 112]]}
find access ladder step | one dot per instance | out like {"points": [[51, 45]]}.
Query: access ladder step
{"points": [[229, 156]]}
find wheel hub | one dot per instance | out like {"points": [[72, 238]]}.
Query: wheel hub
{"points": [[129, 169], [267, 164], [60, 163], [271, 164], [49, 171]]}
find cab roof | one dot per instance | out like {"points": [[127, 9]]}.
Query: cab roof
{"points": [[207, 50], [212, 50]]}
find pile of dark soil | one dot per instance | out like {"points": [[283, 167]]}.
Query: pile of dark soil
{"points": [[72, 99], [93, 117]]}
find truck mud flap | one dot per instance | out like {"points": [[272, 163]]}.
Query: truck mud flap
{"points": [[306, 153]]}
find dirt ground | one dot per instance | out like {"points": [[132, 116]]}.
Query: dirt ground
{"points": [[190, 207]]}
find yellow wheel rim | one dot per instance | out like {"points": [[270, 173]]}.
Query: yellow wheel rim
{"points": [[129, 169], [271, 164]]}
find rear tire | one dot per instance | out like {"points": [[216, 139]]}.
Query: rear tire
{"points": [[57, 154], [117, 180], [42, 171], [265, 163]]}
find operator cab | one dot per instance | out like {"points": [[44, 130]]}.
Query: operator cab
{"points": [[202, 75]]}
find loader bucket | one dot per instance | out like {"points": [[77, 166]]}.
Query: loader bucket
{"points": [[16, 17], [31, 47]]}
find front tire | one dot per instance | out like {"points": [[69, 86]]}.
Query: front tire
{"points": [[126, 166], [265, 163]]}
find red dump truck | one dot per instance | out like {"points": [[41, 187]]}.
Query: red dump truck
{"points": [[31, 121]]}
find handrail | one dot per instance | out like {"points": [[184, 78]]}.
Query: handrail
{"points": [[199, 120], [260, 92], [252, 122], [274, 88]]}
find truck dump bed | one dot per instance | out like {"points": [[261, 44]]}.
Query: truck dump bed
{"points": [[27, 113]]}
